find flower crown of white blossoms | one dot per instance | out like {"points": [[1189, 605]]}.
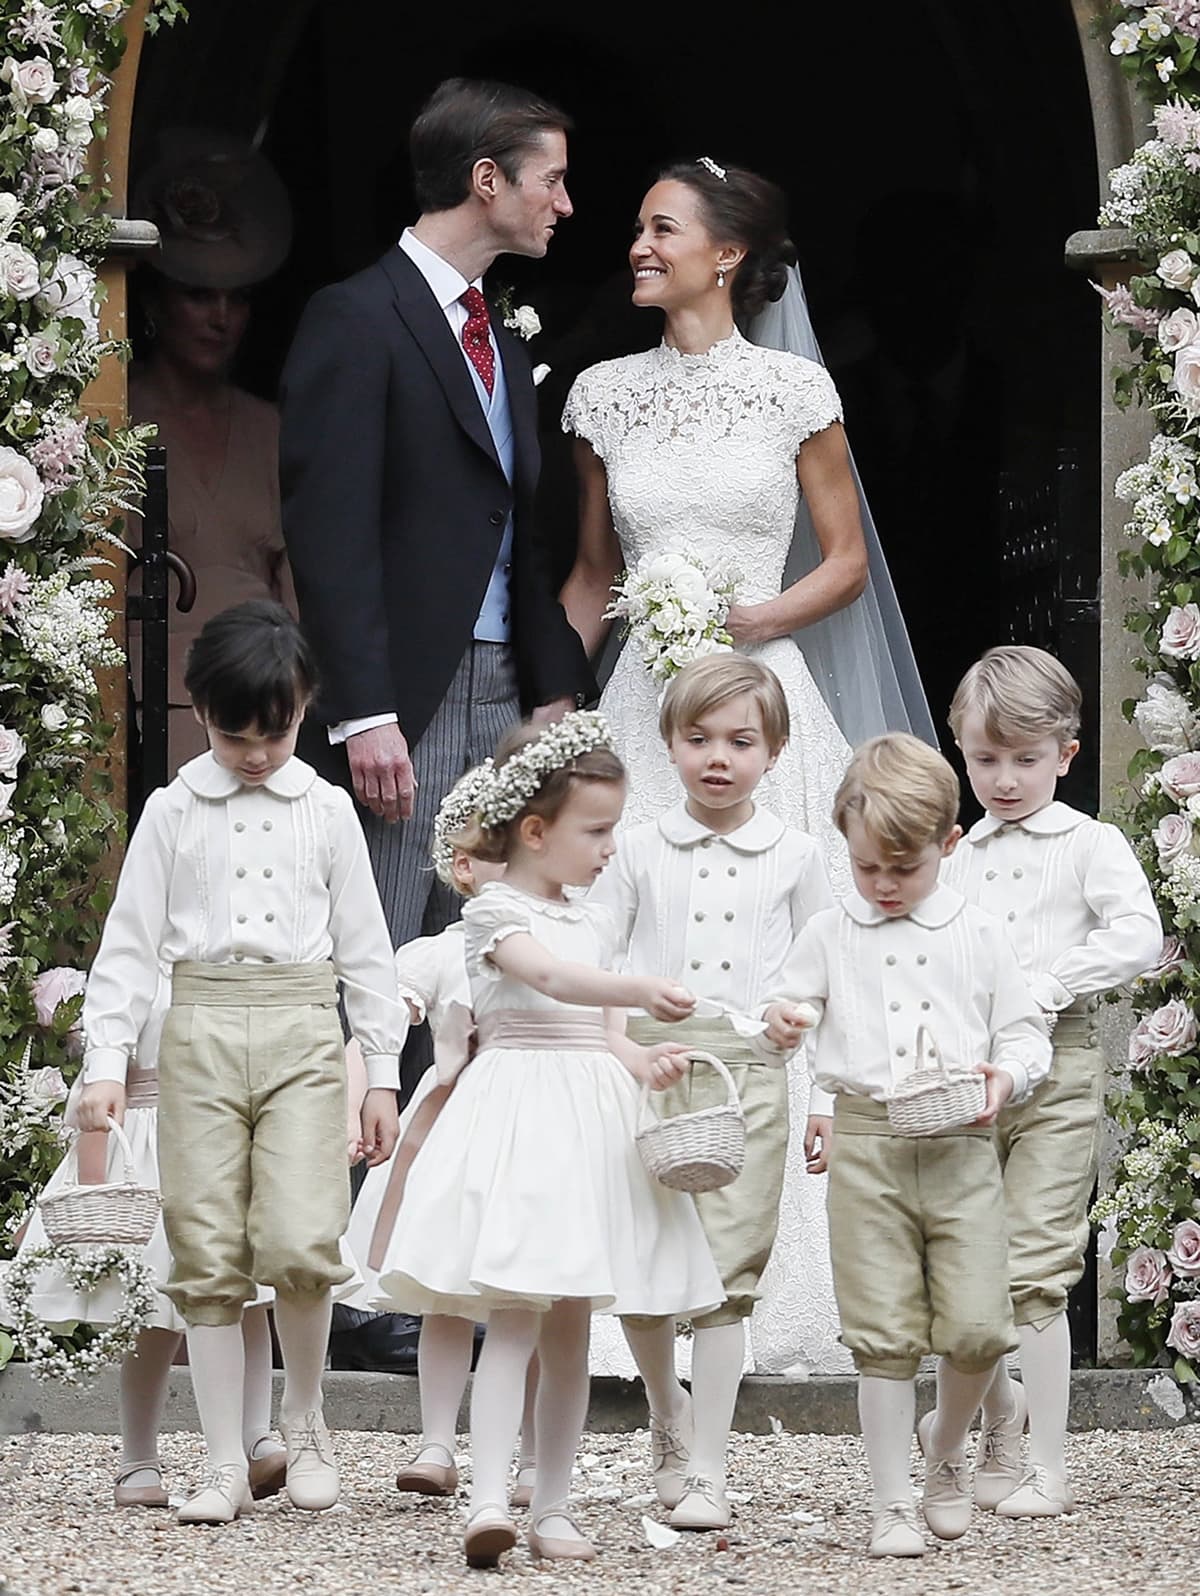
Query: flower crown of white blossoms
{"points": [[710, 165], [510, 786], [454, 813]]}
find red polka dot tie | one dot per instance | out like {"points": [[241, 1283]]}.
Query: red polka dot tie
{"points": [[475, 338]]}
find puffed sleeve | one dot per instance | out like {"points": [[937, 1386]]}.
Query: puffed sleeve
{"points": [[583, 413], [814, 402], [495, 914], [418, 968]]}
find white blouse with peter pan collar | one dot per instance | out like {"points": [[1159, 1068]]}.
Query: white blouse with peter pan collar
{"points": [[717, 912], [945, 965], [222, 873], [1071, 895]]}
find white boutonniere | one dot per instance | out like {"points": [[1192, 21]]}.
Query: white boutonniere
{"points": [[525, 321]]}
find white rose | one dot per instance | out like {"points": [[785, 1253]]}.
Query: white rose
{"points": [[1177, 329], [1180, 637], [46, 141], [31, 82], [691, 586], [1186, 381], [21, 496], [1165, 719], [71, 291], [47, 1085], [526, 321], [77, 114], [10, 208], [7, 788], [40, 355], [12, 751], [669, 618], [54, 717], [1176, 269], [19, 277], [663, 568], [1172, 836]]}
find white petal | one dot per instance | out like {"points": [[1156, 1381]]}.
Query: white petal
{"points": [[660, 1536]]}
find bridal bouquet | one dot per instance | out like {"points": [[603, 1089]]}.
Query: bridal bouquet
{"points": [[674, 607]]}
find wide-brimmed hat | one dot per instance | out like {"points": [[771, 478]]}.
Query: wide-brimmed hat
{"points": [[222, 213]]}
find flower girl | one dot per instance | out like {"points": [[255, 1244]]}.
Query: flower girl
{"points": [[431, 977], [528, 1204]]}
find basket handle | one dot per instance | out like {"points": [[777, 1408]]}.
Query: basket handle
{"points": [[126, 1151], [696, 1056]]}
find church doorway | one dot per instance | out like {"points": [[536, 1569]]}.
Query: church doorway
{"points": [[936, 157]]}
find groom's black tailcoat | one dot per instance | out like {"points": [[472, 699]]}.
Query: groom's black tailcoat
{"points": [[394, 505]]}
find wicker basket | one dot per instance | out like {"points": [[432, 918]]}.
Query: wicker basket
{"points": [[118, 1214], [935, 1096], [695, 1152]]}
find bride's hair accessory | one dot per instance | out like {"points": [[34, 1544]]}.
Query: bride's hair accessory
{"points": [[710, 165], [510, 786], [454, 815]]}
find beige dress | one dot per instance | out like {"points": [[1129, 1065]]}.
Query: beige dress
{"points": [[228, 528]]}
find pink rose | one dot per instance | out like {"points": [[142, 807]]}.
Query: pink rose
{"points": [[47, 1085], [1184, 1334], [1172, 836], [1170, 960], [1171, 1029], [21, 497], [1186, 381], [1147, 1275], [1184, 1252], [30, 82], [1177, 329], [12, 751], [53, 987], [1180, 636], [1180, 776]]}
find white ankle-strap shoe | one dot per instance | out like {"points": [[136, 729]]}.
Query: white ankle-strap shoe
{"points": [[896, 1533]]}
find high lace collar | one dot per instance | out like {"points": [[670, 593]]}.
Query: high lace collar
{"points": [[719, 354]]}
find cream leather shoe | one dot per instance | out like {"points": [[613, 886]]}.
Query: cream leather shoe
{"points": [[224, 1496], [312, 1477], [703, 1506], [947, 1501], [551, 1547], [896, 1533], [998, 1468], [670, 1445], [522, 1491], [1039, 1495]]}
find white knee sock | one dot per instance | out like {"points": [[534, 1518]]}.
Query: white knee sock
{"points": [[443, 1364], [958, 1399], [497, 1395], [144, 1375], [1046, 1372], [528, 1455], [218, 1363], [718, 1353], [1000, 1400], [256, 1393], [653, 1348], [886, 1411], [302, 1325], [561, 1406]]}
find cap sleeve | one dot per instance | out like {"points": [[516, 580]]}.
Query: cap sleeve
{"points": [[418, 964], [583, 412], [495, 914], [815, 401]]}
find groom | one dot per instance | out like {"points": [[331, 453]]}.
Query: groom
{"points": [[409, 462]]}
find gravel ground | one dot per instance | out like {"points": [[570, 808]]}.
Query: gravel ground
{"points": [[801, 1522]]}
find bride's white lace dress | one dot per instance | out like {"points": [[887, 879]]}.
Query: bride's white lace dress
{"points": [[700, 453]]}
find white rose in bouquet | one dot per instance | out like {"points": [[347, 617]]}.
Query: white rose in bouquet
{"points": [[664, 568], [30, 82], [19, 276], [1180, 776], [71, 291], [77, 114], [1172, 836], [54, 718], [1177, 329], [1186, 381], [1180, 636], [12, 751], [1166, 719], [1177, 269], [10, 209], [692, 587], [21, 497]]}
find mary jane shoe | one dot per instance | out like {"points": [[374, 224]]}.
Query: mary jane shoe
{"points": [[268, 1474], [140, 1495], [312, 1477], [427, 1475], [1039, 1495], [522, 1491], [670, 1445], [224, 1496], [998, 1468], [896, 1533], [703, 1506], [488, 1535], [551, 1547]]}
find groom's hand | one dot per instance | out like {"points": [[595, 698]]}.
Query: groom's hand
{"points": [[382, 772], [545, 714]]}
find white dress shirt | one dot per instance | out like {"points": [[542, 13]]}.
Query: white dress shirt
{"points": [[1072, 897], [716, 912], [945, 965], [448, 285], [227, 874]]}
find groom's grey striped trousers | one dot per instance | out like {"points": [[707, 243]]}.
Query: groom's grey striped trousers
{"points": [[480, 705]]}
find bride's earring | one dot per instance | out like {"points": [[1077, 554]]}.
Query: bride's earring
{"points": [[720, 276]]}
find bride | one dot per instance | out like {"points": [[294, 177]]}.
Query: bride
{"points": [[736, 453]]}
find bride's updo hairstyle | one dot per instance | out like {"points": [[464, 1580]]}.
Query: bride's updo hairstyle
{"points": [[740, 207], [551, 787]]}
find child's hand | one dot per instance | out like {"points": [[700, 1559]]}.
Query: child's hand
{"points": [[666, 1001], [817, 1138], [100, 1100], [665, 1063], [380, 1125], [355, 1152], [787, 1023], [999, 1090]]}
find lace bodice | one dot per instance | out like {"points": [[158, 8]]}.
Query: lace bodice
{"points": [[700, 450]]}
